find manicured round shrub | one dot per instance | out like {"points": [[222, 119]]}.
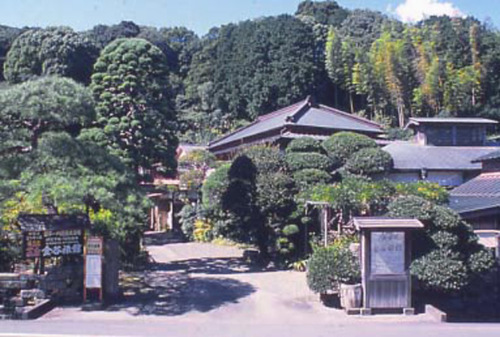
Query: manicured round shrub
{"points": [[441, 270], [305, 144], [265, 158], [369, 161], [309, 177], [301, 161], [411, 207], [342, 145], [481, 261], [446, 218], [449, 256], [445, 240]]}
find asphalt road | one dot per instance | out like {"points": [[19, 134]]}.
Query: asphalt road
{"points": [[206, 290]]}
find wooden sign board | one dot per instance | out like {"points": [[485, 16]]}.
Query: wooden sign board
{"points": [[387, 253], [93, 271], [52, 243], [94, 246], [93, 265], [385, 260], [32, 244]]}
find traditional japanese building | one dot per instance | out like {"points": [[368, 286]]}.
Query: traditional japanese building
{"points": [[442, 150], [303, 119], [478, 200]]}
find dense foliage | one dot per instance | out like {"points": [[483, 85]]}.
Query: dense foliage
{"points": [[341, 146], [447, 256], [332, 265], [357, 60], [51, 51], [48, 162], [369, 161], [136, 119]]}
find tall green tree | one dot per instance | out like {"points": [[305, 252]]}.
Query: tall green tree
{"points": [[51, 51], [136, 119]]}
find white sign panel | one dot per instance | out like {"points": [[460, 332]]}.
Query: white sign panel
{"points": [[387, 253], [93, 271]]}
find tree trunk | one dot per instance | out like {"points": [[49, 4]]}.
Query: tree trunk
{"points": [[351, 101]]}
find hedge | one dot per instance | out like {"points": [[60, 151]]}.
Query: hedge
{"points": [[308, 177], [369, 161], [304, 144], [342, 145], [302, 161]]}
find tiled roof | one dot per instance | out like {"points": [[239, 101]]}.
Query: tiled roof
{"points": [[434, 120], [410, 156], [462, 204], [490, 156], [302, 114], [484, 185], [480, 193]]}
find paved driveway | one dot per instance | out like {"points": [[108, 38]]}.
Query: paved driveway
{"points": [[204, 282], [196, 289]]}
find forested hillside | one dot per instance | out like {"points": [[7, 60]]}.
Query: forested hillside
{"points": [[357, 60]]}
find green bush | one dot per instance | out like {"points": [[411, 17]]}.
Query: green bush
{"points": [[320, 270], [424, 189], [441, 270], [301, 161], [187, 217], [265, 158], [342, 145], [411, 207], [304, 144], [448, 254], [275, 195], [481, 261], [445, 218], [369, 161], [332, 265], [308, 177], [290, 230], [214, 186]]}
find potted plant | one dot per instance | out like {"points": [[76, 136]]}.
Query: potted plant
{"points": [[348, 275]]}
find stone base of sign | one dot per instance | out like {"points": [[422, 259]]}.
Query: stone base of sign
{"points": [[438, 315], [63, 283], [366, 311], [33, 312], [409, 311], [92, 306], [353, 311]]}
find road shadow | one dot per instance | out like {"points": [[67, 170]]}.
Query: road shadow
{"points": [[212, 266], [171, 294]]}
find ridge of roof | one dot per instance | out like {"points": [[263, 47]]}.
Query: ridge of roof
{"points": [[348, 115], [466, 120], [294, 108], [490, 156]]}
